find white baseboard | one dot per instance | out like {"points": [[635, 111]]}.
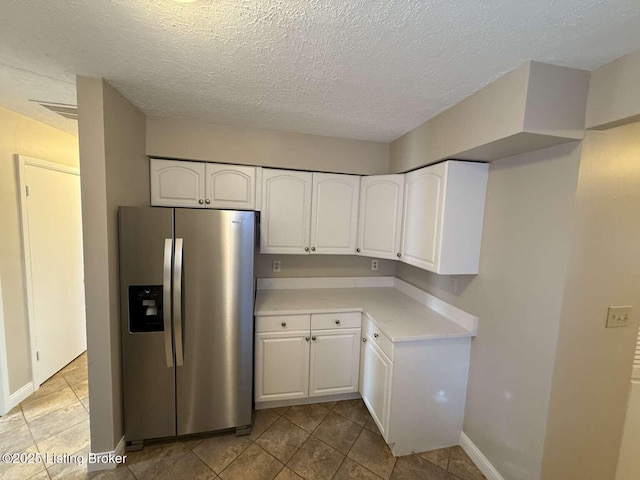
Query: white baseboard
{"points": [[479, 459], [18, 396], [102, 460]]}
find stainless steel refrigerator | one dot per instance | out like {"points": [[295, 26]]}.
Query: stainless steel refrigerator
{"points": [[187, 290]]}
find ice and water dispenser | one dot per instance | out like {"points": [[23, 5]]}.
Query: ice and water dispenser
{"points": [[145, 308]]}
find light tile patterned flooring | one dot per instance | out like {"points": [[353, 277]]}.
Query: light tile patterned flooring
{"points": [[337, 440]]}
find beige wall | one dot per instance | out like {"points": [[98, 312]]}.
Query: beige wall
{"points": [[21, 135], [192, 140], [629, 460], [614, 96], [593, 364], [321, 266], [518, 297], [533, 107], [115, 171]]}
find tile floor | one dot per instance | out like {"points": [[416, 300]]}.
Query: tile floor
{"points": [[337, 440]]}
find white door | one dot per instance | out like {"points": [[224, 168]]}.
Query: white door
{"points": [[177, 184], [376, 383], [380, 216], [281, 366], [334, 213], [230, 186], [286, 211], [335, 362], [52, 228], [422, 222]]}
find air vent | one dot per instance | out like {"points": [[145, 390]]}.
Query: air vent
{"points": [[63, 109]]}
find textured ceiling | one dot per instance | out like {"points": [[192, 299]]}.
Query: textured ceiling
{"points": [[350, 68]]}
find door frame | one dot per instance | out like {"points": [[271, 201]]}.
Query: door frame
{"points": [[22, 161]]}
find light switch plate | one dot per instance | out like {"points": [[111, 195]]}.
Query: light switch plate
{"points": [[275, 266], [619, 316]]}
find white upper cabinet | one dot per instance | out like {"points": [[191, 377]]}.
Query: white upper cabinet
{"points": [[203, 185], [230, 186], [177, 184], [286, 211], [443, 215], [308, 213], [334, 213], [380, 217]]}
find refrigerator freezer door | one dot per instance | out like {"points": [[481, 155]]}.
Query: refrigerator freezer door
{"points": [[214, 385], [148, 383]]}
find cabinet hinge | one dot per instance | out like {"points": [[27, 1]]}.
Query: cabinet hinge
{"points": [[38, 356], [27, 189]]}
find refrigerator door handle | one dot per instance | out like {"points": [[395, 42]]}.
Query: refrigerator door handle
{"points": [[166, 300], [177, 301]]}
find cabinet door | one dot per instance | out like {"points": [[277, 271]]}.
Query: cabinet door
{"points": [[380, 216], [375, 383], [422, 222], [286, 211], [334, 215], [335, 361], [230, 186], [281, 366], [177, 184]]}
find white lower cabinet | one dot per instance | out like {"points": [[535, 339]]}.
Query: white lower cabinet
{"points": [[415, 390], [375, 387], [335, 360], [282, 366], [301, 356]]}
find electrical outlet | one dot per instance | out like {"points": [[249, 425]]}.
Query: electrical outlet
{"points": [[453, 284], [619, 316], [374, 264], [275, 266]]}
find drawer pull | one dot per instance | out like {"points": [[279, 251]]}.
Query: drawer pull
{"points": [[364, 340], [375, 335], [337, 321], [284, 324]]}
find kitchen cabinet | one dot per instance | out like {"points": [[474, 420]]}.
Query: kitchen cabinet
{"points": [[285, 222], [230, 186], [177, 184], [443, 215], [282, 345], [202, 185], [308, 213], [414, 390], [301, 356], [380, 217], [375, 386], [334, 213]]}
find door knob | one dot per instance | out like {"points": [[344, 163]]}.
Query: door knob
{"points": [[358, 250], [364, 340], [306, 338], [207, 201], [200, 201], [313, 338], [306, 249], [313, 249], [398, 254]]}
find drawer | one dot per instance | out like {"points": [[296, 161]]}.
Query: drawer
{"points": [[370, 330], [321, 321], [283, 323]]}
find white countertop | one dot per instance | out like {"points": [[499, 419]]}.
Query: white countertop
{"points": [[398, 315]]}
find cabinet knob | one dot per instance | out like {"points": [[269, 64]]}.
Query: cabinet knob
{"points": [[375, 335], [358, 250], [398, 254], [364, 340], [306, 249], [306, 338], [313, 338], [313, 249], [207, 201], [284, 324], [200, 201], [337, 321]]}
